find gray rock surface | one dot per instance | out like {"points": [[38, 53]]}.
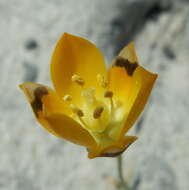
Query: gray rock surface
{"points": [[30, 158]]}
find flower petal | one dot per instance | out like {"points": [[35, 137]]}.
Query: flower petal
{"points": [[39, 95], [75, 55], [114, 150], [70, 130], [128, 52], [50, 111], [147, 80], [131, 84]]}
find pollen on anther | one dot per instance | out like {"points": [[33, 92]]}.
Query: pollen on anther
{"points": [[67, 98], [102, 81], [98, 111], [77, 79], [108, 94], [76, 110]]}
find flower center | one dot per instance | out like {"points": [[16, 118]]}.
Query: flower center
{"points": [[101, 116]]}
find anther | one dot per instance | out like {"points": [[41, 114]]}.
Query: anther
{"points": [[102, 81], [108, 94], [77, 79], [98, 111], [67, 98], [76, 110]]}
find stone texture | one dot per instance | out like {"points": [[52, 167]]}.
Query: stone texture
{"points": [[33, 159]]}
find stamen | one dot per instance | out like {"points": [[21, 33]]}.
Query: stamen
{"points": [[102, 81], [67, 98], [98, 111], [109, 94], [78, 80], [76, 110], [79, 113]]}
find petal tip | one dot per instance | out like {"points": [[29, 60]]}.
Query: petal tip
{"points": [[20, 86], [67, 34], [154, 77], [131, 44]]}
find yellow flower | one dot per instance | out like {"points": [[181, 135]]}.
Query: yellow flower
{"points": [[90, 106]]}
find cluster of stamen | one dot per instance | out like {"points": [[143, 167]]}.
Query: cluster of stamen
{"points": [[89, 95]]}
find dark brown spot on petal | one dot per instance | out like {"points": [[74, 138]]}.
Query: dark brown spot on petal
{"points": [[114, 153], [129, 67], [37, 104], [111, 154]]}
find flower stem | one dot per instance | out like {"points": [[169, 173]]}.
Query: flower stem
{"points": [[123, 184]]}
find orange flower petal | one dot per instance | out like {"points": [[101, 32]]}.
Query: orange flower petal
{"points": [[146, 80], [128, 52], [75, 55], [114, 150], [70, 130], [49, 110], [131, 84], [39, 95]]}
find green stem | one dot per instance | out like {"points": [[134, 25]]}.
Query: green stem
{"points": [[122, 182]]}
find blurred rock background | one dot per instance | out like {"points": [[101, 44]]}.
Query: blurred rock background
{"points": [[32, 159]]}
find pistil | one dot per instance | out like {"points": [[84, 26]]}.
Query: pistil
{"points": [[89, 95]]}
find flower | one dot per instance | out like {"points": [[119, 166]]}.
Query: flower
{"points": [[90, 106]]}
